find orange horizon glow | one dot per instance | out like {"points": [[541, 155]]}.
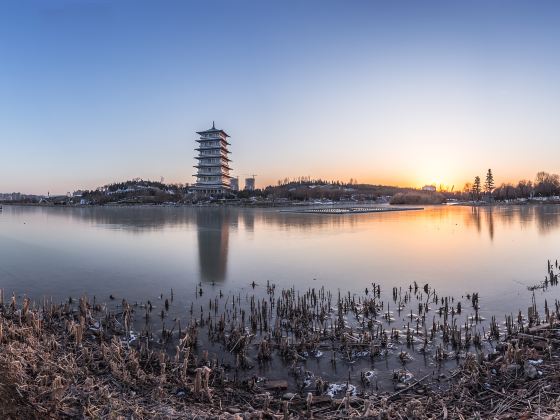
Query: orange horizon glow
{"points": [[411, 179], [417, 181]]}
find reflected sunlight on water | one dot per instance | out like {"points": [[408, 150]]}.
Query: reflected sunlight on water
{"points": [[138, 252]]}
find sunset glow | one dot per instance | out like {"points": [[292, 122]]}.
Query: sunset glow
{"points": [[408, 94]]}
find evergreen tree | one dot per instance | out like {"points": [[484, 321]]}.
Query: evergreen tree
{"points": [[489, 184], [476, 187]]}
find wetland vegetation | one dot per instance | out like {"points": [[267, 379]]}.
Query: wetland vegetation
{"points": [[88, 359]]}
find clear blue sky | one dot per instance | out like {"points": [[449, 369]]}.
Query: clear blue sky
{"points": [[383, 91]]}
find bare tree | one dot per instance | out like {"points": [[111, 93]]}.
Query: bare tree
{"points": [[525, 188], [547, 184], [468, 190]]}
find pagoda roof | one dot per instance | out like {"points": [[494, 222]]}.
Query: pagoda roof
{"points": [[214, 156], [210, 186], [216, 165], [212, 130], [213, 147], [220, 175]]}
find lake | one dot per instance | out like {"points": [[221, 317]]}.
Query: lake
{"points": [[142, 253]]}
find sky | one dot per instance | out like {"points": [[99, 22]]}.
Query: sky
{"points": [[388, 92]]}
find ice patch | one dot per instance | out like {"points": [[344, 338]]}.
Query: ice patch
{"points": [[95, 327], [309, 379], [132, 336], [370, 376], [336, 389], [403, 376]]}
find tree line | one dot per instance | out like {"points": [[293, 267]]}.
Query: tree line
{"points": [[307, 180], [544, 185]]}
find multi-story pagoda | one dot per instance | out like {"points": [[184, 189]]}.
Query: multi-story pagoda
{"points": [[213, 162]]}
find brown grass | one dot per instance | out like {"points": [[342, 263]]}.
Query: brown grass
{"points": [[60, 362], [418, 197]]}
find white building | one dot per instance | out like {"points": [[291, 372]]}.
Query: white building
{"points": [[431, 188], [213, 168]]}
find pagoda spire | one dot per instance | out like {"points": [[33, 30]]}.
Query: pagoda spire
{"points": [[213, 127]]}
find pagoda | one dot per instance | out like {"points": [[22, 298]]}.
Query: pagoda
{"points": [[212, 177]]}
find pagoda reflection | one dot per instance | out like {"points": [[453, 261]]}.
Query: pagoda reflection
{"points": [[213, 242]]}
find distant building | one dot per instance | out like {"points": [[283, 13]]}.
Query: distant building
{"points": [[431, 188], [11, 196], [213, 168], [249, 184], [234, 184]]}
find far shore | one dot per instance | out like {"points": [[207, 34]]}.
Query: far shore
{"points": [[284, 204]]}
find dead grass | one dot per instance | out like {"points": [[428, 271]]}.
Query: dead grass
{"points": [[61, 362], [418, 197]]}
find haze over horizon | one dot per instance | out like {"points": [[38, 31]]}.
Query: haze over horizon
{"points": [[398, 93]]}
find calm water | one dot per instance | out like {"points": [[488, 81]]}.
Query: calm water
{"points": [[140, 253]]}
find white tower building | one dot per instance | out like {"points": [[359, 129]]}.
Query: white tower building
{"points": [[213, 168]]}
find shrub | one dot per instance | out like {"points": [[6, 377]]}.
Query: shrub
{"points": [[418, 197]]}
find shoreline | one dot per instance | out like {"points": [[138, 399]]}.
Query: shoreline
{"points": [[294, 205]]}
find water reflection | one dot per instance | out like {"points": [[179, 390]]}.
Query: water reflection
{"points": [[268, 242], [545, 217], [475, 217], [490, 218], [213, 227], [249, 221]]}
